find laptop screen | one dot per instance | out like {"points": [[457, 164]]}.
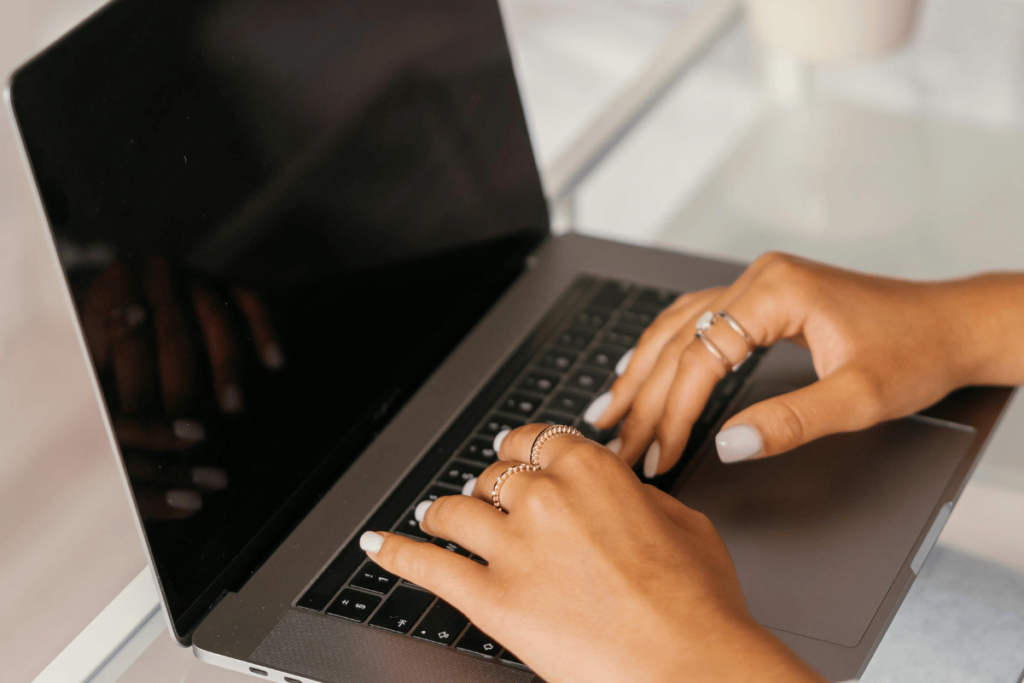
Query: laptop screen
{"points": [[276, 217]]}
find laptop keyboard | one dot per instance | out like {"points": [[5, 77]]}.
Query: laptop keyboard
{"points": [[554, 375]]}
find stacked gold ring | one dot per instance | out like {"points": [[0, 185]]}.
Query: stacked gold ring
{"points": [[545, 436], [514, 469]]}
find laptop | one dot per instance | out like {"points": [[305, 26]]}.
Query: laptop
{"points": [[308, 248]]}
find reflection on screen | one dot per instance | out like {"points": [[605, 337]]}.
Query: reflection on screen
{"points": [[276, 217]]}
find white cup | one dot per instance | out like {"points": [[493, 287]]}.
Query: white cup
{"points": [[832, 30]]}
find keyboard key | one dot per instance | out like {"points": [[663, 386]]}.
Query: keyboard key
{"points": [[510, 658], [448, 545], [555, 419], [576, 340], [480, 449], [522, 404], [655, 298], [623, 335], [557, 359], [587, 380], [604, 357], [353, 605], [435, 492], [442, 625], [497, 423], [570, 402], [458, 473], [410, 527], [638, 318], [592, 318], [610, 295], [373, 577], [402, 609], [333, 578], [540, 382], [479, 643]]}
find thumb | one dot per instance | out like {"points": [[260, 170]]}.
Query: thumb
{"points": [[845, 401]]}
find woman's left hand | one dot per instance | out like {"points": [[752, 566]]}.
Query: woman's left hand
{"points": [[592, 575]]}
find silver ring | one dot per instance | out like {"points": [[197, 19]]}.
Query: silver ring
{"points": [[737, 328], [716, 352], [546, 435]]}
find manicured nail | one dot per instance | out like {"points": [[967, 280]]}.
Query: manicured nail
{"points": [[421, 510], [273, 357], [212, 478], [615, 445], [467, 488], [371, 542], [598, 407], [741, 442], [499, 438], [651, 460], [183, 499], [231, 399], [188, 430], [620, 367]]}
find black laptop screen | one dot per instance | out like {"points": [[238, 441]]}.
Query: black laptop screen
{"points": [[276, 217]]}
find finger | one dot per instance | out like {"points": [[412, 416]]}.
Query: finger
{"points": [[221, 347], [176, 352], [158, 435], [511, 489], [517, 445], [263, 335], [455, 579], [608, 409], [696, 375], [845, 401], [648, 406], [470, 522]]}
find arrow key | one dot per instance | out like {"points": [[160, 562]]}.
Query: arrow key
{"points": [[442, 625], [479, 643]]}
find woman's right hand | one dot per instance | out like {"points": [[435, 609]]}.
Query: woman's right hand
{"points": [[882, 349]]}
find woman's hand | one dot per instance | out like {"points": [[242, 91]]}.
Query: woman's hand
{"points": [[592, 575], [882, 349]]}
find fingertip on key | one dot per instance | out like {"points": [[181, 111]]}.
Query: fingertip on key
{"points": [[598, 408], [499, 438], [623, 364], [467, 488]]}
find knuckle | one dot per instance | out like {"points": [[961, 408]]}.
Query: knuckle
{"points": [[542, 495], [787, 423]]}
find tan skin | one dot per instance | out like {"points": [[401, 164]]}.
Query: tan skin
{"points": [[594, 576]]}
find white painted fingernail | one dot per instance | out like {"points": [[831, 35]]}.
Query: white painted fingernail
{"points": [[231, 399], [212, 478], [499, 438], [615, 445], [467, 488], [371, 542], [184, 499], [598, 407], [273, 357], [651, 460], [188, 430], [620, 367], [738, 443], [421, 510]]}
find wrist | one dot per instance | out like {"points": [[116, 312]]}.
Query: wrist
{"points": [[983, 323]]}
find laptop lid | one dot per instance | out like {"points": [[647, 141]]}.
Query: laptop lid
{"points": [[275, 218]]}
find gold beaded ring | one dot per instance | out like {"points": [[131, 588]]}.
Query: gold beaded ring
{"points": [[496, 491], [545, 436]]}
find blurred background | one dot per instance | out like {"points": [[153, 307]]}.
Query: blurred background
{"points": [[908, 163]]}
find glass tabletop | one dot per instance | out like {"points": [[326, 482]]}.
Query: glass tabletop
{"points": [[907, 166]]}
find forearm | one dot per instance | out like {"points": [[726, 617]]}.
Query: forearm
{"points": [[985, 319]]}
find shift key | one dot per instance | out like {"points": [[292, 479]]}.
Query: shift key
{"points": [[442, 625]]}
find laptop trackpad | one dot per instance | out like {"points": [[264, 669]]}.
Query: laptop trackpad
{"points": [[819, 534]]}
